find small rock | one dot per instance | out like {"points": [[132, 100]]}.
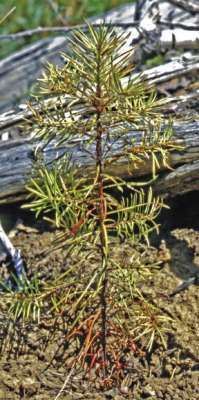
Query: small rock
{"points": [[148, 390]]}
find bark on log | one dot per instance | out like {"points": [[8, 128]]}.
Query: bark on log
{"points": [[17, 161]]}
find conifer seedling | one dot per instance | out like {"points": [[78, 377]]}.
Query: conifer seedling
{"points": [[95, 101]]}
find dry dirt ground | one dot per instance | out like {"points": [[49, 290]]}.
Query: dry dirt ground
{"points": [[33, 360]]}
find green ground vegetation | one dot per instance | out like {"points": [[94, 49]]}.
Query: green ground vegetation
{"points": [[29, 14]]}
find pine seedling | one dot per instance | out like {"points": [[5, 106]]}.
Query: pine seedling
{"points": [[96, 102]]}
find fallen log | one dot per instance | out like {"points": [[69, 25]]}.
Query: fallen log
{"points": [[161, 25], [17, 161], [180, 66]]}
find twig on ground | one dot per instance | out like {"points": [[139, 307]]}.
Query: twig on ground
{"points": [[62, 29], [65, 382]]}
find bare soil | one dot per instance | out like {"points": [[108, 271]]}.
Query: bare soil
{"points": [[35, 357]]}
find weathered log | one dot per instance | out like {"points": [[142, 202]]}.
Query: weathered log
{"points": [[162, 25], [191, 6], [17, 161], [180, 66], [18, 72]]}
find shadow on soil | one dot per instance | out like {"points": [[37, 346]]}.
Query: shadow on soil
{"points": [[180, 230]]}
